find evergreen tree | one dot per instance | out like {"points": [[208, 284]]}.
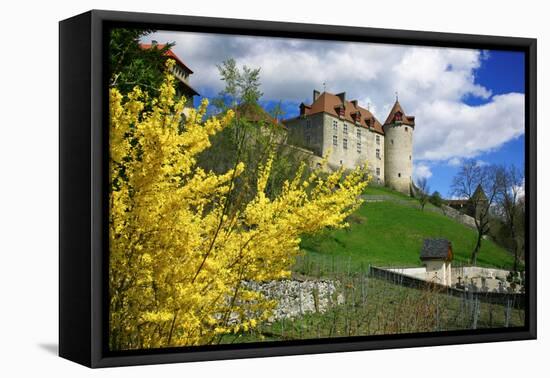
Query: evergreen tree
{"points": [[130, 65]]}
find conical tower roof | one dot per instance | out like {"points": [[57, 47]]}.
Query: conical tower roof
{"points": [[405, 119]]}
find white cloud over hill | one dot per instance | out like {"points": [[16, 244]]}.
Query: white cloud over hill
{"points": [[432, 84]]}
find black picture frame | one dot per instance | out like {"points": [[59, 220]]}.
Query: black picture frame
{"points": [[83, 167]]}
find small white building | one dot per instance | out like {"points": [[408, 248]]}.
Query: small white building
{"points": [[437, 255]]}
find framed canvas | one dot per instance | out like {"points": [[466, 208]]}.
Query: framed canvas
{"points": [[235, 188]]}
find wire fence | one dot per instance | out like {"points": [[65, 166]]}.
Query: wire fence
{"points": [[333, 297]]}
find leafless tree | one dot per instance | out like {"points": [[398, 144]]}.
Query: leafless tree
{"points": [[423, 193], [478, 184], [510, 204]]}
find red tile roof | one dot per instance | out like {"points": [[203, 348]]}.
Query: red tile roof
{"points": [[329, 103], [169, 53], [406, 120]]}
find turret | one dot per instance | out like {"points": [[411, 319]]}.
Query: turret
{"points": [[398, 149]]}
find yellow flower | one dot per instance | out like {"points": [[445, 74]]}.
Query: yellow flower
{"points": [[177, 258]]}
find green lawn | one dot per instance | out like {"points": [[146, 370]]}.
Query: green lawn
{"points": [[391, 233], [374, 190]]}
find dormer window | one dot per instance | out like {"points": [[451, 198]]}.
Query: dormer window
{"points": [[398, 117], [356, 117], [340, 110]]}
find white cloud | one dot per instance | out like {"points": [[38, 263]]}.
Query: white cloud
{"points": [[432, 84], [447, 129], [421, 170], [455, 162]]}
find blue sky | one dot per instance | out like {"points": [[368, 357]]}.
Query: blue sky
{"points": [[468, 104], [502, 72]]}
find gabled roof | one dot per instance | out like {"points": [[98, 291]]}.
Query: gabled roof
{"points": [[169, 53], [436, 249], [406, 120], [479, 194], [329, 103]]}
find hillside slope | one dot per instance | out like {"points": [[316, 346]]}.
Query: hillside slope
{"points": [[389, 229]]}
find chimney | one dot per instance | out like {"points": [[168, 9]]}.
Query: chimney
{"points": [[315, 95], [302, 109], [354, 102], [154, 42], [342, 97]]}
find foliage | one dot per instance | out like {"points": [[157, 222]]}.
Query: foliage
{"points": [[178, 253], [130, 65], [252, 137], [511, 208], [242, 86], [436, 199], [423, 192]]}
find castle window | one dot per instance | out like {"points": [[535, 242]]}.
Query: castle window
{"points": [[308, 123], [391, 141], [358, 133], [410, 157], [399, 175], [345, 128], [406, 129], [345, 144], [378, 153], [377, 171], [378, 139], [334, 125], [308, 139], [398, 116], [359, 147], [335, 140]]}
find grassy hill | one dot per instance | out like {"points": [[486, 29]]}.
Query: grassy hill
{"points": [[389, 229]]}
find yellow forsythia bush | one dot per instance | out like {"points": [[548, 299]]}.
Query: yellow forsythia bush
{"points": [[177, 257]]}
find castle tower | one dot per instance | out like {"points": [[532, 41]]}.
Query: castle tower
{"points": [[398, 149]]}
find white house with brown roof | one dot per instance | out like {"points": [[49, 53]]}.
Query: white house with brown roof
{"points": [[351, 135]]}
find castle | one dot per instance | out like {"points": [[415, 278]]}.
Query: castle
{"points": [[351, 135]]}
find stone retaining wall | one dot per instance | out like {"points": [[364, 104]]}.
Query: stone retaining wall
{"points": [[296, 298]]}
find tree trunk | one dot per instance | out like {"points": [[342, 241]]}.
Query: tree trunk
{"points": [[473, 259], [516, 249]]}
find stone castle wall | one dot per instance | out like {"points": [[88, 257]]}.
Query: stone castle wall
{"points": [[318, 135]]}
